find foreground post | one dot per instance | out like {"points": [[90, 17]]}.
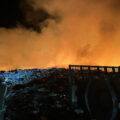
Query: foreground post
{"points": [[73, 88], [2, 100]]}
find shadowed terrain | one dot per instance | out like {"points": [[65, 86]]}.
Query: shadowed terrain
{"points": [[48, 98]]}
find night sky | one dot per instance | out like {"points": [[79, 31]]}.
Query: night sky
{"points": [[55, 33]]}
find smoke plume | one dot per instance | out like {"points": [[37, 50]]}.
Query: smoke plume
{"points": [[55, 33]]}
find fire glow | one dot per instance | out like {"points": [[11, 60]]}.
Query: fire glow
{"points": [[87, 33]]}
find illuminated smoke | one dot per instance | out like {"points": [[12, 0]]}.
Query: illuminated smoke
{"points": [[72, 32]]}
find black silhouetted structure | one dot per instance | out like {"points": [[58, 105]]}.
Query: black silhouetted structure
{"points": [[83, 79]]}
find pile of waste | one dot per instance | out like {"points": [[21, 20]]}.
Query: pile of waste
{"points": [[23, 76], [45, 98], [46, 95]]}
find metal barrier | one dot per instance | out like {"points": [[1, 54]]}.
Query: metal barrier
{"points": [[85, 68], [88, 72]]}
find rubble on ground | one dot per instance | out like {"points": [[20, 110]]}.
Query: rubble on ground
{"points": [[42, 98], [46, 96]]}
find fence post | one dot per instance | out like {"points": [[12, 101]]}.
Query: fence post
{"points": [[2, 100], [119, 69], [73, 88], [113, 69], [105, 69]]}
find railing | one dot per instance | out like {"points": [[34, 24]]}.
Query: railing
{"points": [[89, 72], [106, 69]]}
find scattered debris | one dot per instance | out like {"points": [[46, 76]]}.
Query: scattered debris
{"points": [[45, 95]]}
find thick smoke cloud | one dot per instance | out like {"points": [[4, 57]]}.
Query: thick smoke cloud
{"points": [[77, 32], [14, 13]]}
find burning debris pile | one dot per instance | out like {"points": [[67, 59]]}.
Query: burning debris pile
{"points": [[23, 76], [42, 98], [48, 96]]}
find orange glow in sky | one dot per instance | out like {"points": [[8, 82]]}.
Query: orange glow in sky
{"points": [[88, 33]]}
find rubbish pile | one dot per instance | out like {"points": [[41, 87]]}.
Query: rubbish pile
{"points": [[44, 98], [46, 95], [23, 76]]}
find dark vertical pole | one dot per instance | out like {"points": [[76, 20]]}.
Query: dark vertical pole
{"points": [[73, 88], [114, 98], [98, 68], [2, 100], [113, 69], [81, 69], [105, 69], [70, 83], [89, 69], [119, 69]]}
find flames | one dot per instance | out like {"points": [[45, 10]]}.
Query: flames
{"points": [[87, 33]]}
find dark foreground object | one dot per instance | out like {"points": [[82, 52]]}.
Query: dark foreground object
{"points": [[49, 99]]}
